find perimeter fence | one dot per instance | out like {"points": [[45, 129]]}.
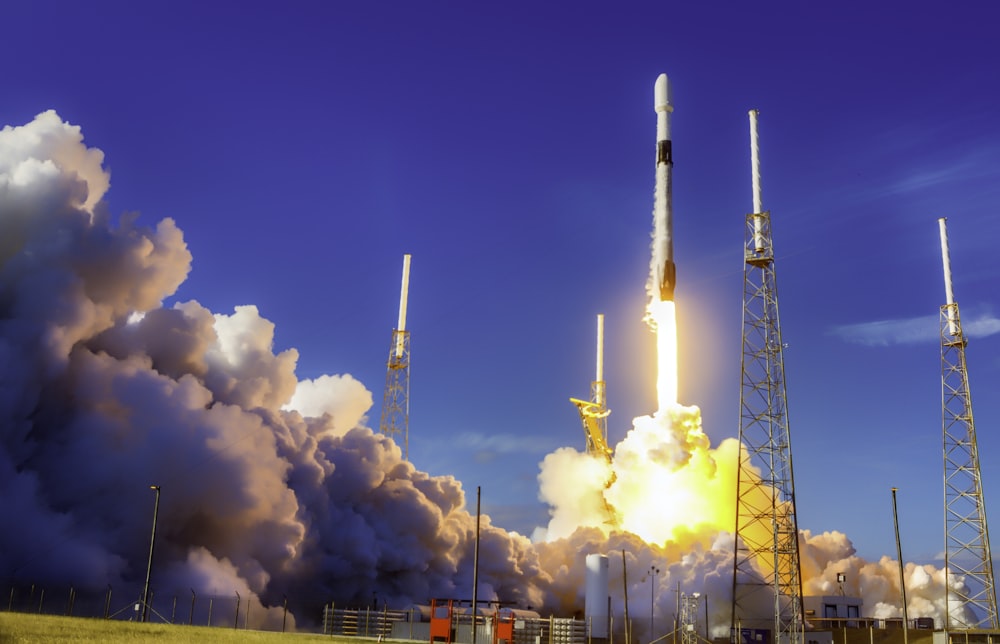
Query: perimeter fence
{"points": [[237, 612], [173, 607]]}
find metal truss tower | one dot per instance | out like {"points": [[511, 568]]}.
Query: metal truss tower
{"points": [[972, 604], [396, 398], [767, 584], [689, 617]]}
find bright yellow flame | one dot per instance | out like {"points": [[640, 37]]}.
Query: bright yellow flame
{"points": [[673, 493], [664, 318], [665, 483]]}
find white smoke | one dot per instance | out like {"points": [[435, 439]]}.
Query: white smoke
{"points": [[270, 487], [342, 397], [668, 497]]}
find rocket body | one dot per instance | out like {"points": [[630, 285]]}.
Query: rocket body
{"points": [[664, 272]]}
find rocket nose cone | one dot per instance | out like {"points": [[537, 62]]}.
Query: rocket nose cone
{"points": [[661, 94]]}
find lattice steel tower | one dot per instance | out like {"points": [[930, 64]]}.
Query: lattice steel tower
{"points": [[689, 617], [767, 585], [396, 399], [973, 604]]}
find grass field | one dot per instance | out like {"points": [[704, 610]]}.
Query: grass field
{"points": [[26, 627]]}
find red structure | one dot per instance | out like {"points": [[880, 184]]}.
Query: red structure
{"points": [[441, 621], [503, 633]]}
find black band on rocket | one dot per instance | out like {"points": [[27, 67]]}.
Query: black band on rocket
{"points": [[664, 153]]}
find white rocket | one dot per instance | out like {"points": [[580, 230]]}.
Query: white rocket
{"points": [[664, 271]]}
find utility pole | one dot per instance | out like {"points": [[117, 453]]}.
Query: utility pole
{"points": [[149, 564]]}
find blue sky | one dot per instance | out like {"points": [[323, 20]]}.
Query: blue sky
{"points": [[303, 148]]}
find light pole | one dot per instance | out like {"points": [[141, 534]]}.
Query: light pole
{"points": [[653, 572], [899, 555], [149, 565]]}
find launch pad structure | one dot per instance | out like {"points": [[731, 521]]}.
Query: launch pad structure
{"points": [[766, 559], [395, 420], [594, 413], [972, 604], [688, 621]]}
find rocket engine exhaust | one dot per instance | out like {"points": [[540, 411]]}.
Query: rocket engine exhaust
{"points": [[664, 271]]}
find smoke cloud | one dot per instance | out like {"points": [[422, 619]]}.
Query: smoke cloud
{"points": [[667, 499], [270, 486], [275, 487]]}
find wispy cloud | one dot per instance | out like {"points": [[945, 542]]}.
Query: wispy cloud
{"points": [[921, 179], [487, 447], [926, 328], [968, 169]]}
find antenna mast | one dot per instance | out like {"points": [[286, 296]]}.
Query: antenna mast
{"points": [[972, 604], [766, 561], [396, 399]]}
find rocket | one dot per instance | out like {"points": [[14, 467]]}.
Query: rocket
{"points": [[664, 271]]}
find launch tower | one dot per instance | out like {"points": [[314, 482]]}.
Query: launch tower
{"points": [[689, 617], [766, 562], [396, 399], [594, 413], [972, 604]]}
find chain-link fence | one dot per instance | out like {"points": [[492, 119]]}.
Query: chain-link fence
{"points": [[174, 607]]}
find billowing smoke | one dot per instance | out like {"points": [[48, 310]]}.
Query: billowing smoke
{"points": [[825, 555], [274, 487], [270, 487], [667, 486]]}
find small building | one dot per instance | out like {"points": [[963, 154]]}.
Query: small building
{"points": [[832, 611]]}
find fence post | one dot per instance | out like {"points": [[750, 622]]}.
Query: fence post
{"points": [[107, 603]]}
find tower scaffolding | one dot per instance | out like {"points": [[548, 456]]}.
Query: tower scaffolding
{"points": [[766, 560], [395, 420], [688, 626], [971, 604]]}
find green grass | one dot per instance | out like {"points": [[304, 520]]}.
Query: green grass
{"points": [[26, 627]]}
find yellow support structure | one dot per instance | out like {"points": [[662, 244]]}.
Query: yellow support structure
{"points": [[592, 416]]}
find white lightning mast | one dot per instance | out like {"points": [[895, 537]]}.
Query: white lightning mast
{"points": [[396, 399], [766, 558], [971, 597]]}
